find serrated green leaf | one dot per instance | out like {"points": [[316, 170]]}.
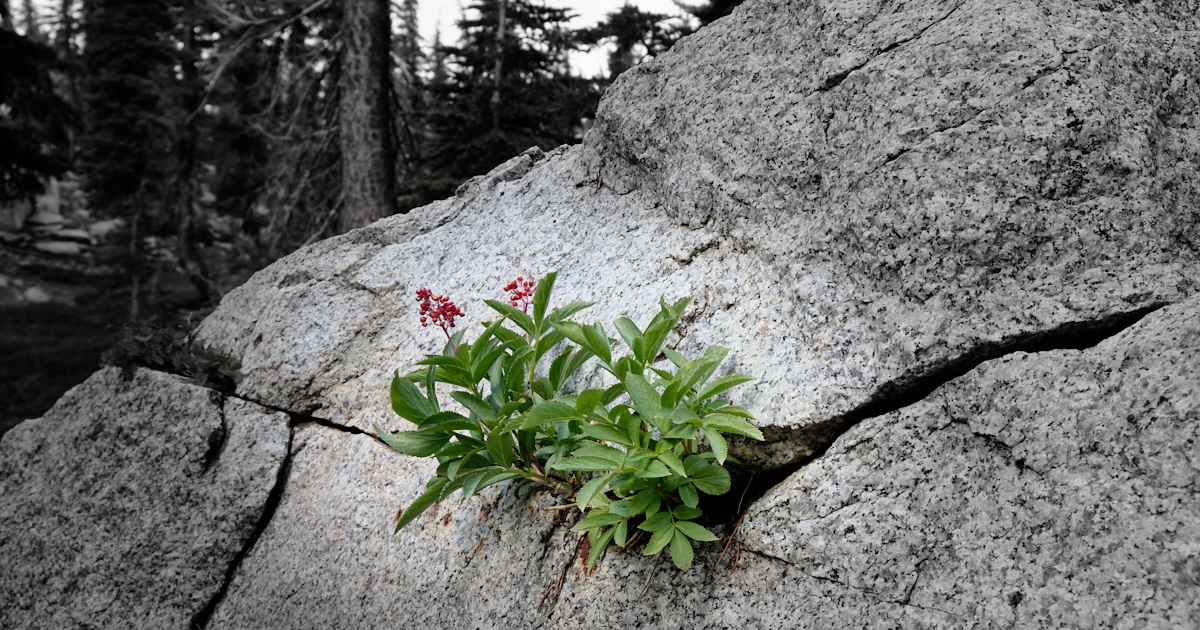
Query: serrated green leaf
{"points": [[431, 390], [645, 398], [686, 513], [653, 338], [622, 533], [587, 401], [606, 432], [549, 412], [596, 518], [695, 531], [485, 363], [615, 455], [450, 487], [593, 464], [719, 446], [502, 477], [427, 498], [561, 313], [645, 502], [677, 415], [515, 315], [659, 540], [541, 298], [572, 331], [673, 463], [731, 424], [598, 342], [590, 489], [628, 330], [612, 393], [599, 546], [414, 443], [500, 447], [548, 342], [661, 521], [734, 410], [712, 479], [447, 421], [689, 496], [653, 470], [678, 359], [477, 405], [472, 481], [558, 368], [408, 402], [681, 432], [692, 463], [724, 383], [467, 463], [681, 551]]}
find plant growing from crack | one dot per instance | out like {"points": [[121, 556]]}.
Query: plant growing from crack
{"points": [[635, 454]]}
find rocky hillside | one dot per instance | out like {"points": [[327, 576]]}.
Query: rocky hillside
{"points": [[956, 242]]}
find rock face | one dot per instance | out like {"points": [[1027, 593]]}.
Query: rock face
{"points": [[956, 242], [124, 506]]}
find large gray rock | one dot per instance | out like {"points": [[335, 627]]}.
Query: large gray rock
{"points": [[869, 200], [979, 177], [1040, 490], [124, 506], [329, 548], [1046, 489]]}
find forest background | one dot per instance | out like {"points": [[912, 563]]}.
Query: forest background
{"points": [[155, 153]]}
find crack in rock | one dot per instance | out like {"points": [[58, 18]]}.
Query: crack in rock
{"points": [[811, 442], [201, 619], [217, 439], [836, 79]]}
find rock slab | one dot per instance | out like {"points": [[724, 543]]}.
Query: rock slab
{"points": [[124, 506]]}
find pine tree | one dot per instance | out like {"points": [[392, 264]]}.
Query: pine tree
{"points": [[710, 11], [33, 118], [127, 143], [511, 87], [634, 34]]}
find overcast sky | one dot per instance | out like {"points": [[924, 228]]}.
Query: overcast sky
{"points": [[446, 12]]}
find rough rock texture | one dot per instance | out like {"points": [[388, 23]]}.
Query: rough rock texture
{"points": [[859, 195], [1048, 489], [328, 558], [912, 221], [125, 504]]}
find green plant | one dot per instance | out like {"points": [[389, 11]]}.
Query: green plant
{"points": [[637, 453]]}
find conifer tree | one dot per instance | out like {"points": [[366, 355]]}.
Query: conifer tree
{"points": [[127, 141], [511, 87], [634, 34], [710, 11], [33, 118]]}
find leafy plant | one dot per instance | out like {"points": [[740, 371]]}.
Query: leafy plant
{"points": [[636, 455], [172, 349]]}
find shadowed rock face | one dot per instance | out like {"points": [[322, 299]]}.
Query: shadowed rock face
{"points": [[956, 242], [125, 505]]}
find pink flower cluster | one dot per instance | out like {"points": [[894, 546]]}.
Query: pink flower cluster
{"points": [[438, 309], [521, 290]]}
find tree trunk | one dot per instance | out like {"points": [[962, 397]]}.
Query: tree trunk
{"points": [[499, 71], [368, 148], [187, 248]]}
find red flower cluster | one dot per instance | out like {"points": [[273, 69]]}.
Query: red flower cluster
{"points": [[442, 314], [521, 290]]}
